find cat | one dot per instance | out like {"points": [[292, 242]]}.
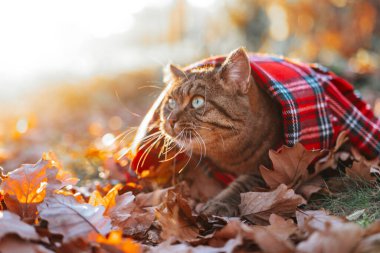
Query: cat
{"points": [[232, 110], [236, 121]]}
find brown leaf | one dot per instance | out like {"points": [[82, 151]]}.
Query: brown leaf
{"points": [[176, 219], [72, 219], [311, 221], [370, 244], [229, 247], [275, 237], [311, 186], [258, 206], [11, 224], [331, 159], [363, 169], [12, 244], [127, 215], [289, 166], [332, 238]]}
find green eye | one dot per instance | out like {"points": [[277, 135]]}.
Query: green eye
{"points": [[197, 102], [171, 103]]}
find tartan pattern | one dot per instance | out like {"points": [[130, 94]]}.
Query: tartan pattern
{"points": [[316, 104]]}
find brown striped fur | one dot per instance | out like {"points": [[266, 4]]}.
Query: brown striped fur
{"points": [[235, 128]]}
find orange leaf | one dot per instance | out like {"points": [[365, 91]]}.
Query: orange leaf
{"points": [[116, 240], [28, 185], [107, 201]]}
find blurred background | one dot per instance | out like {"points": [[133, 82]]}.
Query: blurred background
{"points": [[75, 76]]}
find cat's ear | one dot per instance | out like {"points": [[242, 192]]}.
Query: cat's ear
{"points": [[172, 72], [236, 70]]}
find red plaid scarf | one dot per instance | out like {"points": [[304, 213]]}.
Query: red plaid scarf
{"points": [[316, 104]]}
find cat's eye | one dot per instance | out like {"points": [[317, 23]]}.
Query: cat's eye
{"points": [[197, 102], [171, 103]]}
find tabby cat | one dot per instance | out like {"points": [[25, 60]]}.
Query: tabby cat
{"points": [[219, 112]]}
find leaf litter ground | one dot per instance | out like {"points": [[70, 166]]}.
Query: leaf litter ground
{"points": [[44, 211]]}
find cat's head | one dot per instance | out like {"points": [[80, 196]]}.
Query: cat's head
{"points": [[205, 106]]}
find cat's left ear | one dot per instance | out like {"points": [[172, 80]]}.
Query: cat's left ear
{"points": [[172, 72], [236, 70]]}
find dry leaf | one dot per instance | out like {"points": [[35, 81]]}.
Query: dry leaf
{"points": [[289, 166], [258, 206], [311, 221], [72, 219], [275, 237], [361, 170], [28, 185], [370, 244], [116, 243], [332, 238], [127, 215], [11, 224], [13, 244], [107, 201], [229, 247], [176, 219]]}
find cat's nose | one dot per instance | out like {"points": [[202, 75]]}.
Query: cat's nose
{"points": [[172, 122]]}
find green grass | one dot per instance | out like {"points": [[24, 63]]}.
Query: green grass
{"points": [[352, 196]]}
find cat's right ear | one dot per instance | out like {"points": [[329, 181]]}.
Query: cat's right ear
{"points": [[172, 73], [236, 70]]}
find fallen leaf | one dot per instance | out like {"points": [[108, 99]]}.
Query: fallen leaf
{"points": [[28, 185], [12, 244], [127, 215], [370, 244], [364, 170], [275, 237], [108, 201], [115, 242], [176, 219], [167, 246], [311, 221], [258, 206], [332, 238], [11, 223], [355, 215], [289, 166], [72, 219]]}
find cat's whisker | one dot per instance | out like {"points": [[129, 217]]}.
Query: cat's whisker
{"points": [[204, 144], [123, 136], [190, 156], [147, 151], [147, 141], [222, 141]]}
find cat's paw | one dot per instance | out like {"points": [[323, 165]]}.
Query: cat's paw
{"points": [[219, 208]]}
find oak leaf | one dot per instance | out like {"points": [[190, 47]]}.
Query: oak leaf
{"points": [[10, 223], [362, 168], [315, 220], [130, 217], [72, 219], [290, 167], [176, 219], [28, 185], [258, 206]]}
